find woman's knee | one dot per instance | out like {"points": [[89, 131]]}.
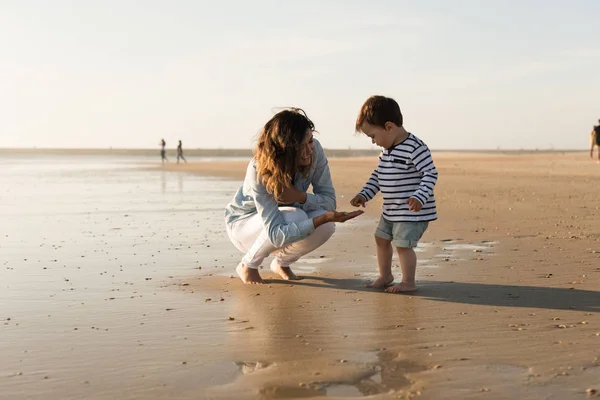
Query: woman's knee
{"points": [[325, 231]]}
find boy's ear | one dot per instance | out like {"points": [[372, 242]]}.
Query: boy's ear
{"points": [[389, 126]]}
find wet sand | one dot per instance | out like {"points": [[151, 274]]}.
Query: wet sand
{"points": [[508, 305], [123, 287]]}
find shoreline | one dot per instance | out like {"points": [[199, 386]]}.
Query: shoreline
{"points": [[247, 153]]}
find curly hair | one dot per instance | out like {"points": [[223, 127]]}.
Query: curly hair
{"points": [[277, 149]]}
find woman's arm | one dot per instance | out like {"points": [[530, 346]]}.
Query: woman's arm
{"points": [[279, 231], [323, 196]]}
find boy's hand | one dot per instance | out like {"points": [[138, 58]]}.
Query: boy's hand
{"points": [[358, 201], [414, 205]]}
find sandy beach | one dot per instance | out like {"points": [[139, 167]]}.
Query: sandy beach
{"points": [[121, 286]]}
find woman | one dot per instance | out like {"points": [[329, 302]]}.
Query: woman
{"points": [[272, 213]]}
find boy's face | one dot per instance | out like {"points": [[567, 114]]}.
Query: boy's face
{"points": [[382, 137]]}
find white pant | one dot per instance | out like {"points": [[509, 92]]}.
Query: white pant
{"points": [[249, 236]]}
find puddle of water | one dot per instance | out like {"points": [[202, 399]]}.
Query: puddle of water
{"points": [[362, 357], [313, 260], [428, 266], [426, 263], [370, 275], [279, 392], [304, 269], [343, 391], [421, 247], [382, 371], [219, 373], [443, 255], [465, 246], [250, 367]]}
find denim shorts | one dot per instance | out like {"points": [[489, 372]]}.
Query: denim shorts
{"points": [[401, 234]]}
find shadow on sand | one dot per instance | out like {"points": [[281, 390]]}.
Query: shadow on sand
{"points": [[475, 293]]}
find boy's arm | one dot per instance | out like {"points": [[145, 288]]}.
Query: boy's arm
{"points": [[371, 187], [423, 161]]}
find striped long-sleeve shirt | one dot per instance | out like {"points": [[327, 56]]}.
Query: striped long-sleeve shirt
{"points": [[405, 170]]}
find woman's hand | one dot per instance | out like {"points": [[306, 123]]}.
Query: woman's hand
{"points": [[338, 216], [335, 216], [292, 195]]}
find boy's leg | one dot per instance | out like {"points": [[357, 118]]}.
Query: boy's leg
{"points": [[383, 240], [384, 264], [406, 238], [408, 263]]}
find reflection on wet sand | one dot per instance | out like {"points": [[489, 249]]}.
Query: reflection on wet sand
{"points": [[293, 347], [166, 176], [388, 372]]}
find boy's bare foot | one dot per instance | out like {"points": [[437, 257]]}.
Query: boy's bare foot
{"points": [[248, 275], [402, 287], [285, 273], [381, 282]]}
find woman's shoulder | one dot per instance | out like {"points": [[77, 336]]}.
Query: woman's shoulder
{"points": [[251, 169], [317, 144], [318, 150], [251, 179]]}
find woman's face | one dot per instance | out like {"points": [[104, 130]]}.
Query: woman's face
{"points": [[306, 149]]}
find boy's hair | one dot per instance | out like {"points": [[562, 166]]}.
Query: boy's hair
{"points": [[378, 110]]}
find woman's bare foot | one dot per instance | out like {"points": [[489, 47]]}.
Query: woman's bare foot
{"points": [[248, 275], [402, 287], [285, 273], [381, 282]]}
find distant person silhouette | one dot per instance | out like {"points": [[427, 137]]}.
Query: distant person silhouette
{"points": [[595, 141], [163, 151], [180, 153]]}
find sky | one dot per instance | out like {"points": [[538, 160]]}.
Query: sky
{"points": [[468, 74]]}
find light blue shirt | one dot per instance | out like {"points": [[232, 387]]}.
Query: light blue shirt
{"points": [[253, 198]]}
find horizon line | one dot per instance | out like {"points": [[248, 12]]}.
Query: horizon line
{"points": [[244, 149]]}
